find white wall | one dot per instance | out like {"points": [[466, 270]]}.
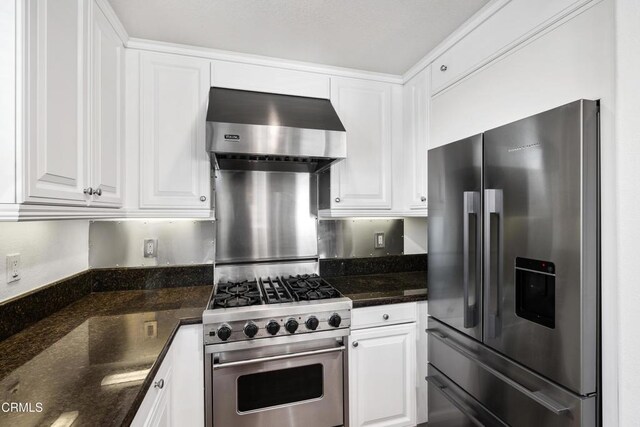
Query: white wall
{"points": [[572, 61], [415, 235], [49, 251], [628, 208]]}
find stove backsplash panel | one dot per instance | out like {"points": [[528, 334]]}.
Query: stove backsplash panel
{"points": [[265, 216]]}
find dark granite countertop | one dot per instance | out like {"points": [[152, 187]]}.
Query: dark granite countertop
{"points": [[379, 289], [61, 361]]}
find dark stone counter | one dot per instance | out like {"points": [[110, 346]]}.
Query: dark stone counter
{"points": [[62, 360], [378, 289]]}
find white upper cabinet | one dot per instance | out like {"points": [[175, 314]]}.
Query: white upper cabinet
{"points": [[363, 181], [517, 21], [382, 376], [106, 112], [260, 78], [416, 98], [55, 150], [174, 164]]}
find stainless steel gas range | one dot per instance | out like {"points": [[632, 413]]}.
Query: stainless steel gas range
{"points": [[274, 331], [275, 351]]}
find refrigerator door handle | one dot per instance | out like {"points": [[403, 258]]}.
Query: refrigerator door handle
{"points": [[432, 379], [537, 396], [471, 204], [493, 208]]}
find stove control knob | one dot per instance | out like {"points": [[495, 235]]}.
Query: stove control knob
{"points": [[335, 320], [273, 327], [250, 329], [224, 332], [312, 323], [291, 326]]}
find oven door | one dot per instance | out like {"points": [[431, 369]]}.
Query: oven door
{"points": [[279, 388]]}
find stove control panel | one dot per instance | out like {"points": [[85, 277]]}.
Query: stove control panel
{"points": [[252, 329]]}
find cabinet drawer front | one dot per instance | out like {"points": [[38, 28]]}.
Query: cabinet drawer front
{"points": [[391, 314]]}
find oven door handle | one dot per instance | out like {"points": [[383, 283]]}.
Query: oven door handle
{"points": [[279, 357]]}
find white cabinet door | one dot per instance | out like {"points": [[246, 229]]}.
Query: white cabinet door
{"points": [[416, 118], [160, 415], [55, 155], [363, 180], [514, 23], [382, 376], [106, 112], [179, 401], [235, 75], [174, 164]]}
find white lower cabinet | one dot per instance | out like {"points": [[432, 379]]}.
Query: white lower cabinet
{"points": [[382, 375], [176, 395]]}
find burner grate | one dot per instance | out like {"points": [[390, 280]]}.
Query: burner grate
{"points": [[274, 291], [310, 287], [236, 295]]}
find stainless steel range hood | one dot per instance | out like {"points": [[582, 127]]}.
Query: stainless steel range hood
{"points": [[270, 132]]}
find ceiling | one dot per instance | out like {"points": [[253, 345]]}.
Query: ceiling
{"points": [[387, 36]]}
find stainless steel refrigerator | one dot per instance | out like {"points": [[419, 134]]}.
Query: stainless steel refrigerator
{"points": [[513, 274]]}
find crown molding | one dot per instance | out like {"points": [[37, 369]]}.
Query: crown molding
{"points": [[245, 58]]}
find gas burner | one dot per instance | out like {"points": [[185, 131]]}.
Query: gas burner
{"points": [[310, 287], [236, 295]]}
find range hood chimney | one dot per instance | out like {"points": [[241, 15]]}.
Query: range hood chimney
{"points": [[270, 132]]}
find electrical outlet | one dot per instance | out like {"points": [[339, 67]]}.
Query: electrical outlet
{"points": [[13, 268], [378, 242], [150, 248]]}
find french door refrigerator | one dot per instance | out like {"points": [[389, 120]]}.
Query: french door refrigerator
{"points": [[513, 274]]}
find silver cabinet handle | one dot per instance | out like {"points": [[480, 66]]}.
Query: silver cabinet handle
{"points": [[385, 316], [355, 343], [88, 191], [337, 199], [203, 198], [471, 207], [274, 358], [423, 199], [541, 398], [452, 399], [98, 191], [493, 259], [443, 68], [159, 384]]}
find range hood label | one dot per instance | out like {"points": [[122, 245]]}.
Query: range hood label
{"points": [[231, 137]]}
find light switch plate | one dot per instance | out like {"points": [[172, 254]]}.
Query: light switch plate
{"points": [[378, 242], [13, 268]]}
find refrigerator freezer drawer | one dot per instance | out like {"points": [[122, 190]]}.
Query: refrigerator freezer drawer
{"points": [[450, 406], [516, 395]]}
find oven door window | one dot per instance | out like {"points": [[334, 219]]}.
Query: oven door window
{"points": [[281, 387]]}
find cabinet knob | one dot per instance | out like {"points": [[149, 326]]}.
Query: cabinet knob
{"points": [[385, 316], [337, 199], [98, 191], [443, 68], [159, 384], [203, 198], [423, 199], [88, 191], [355, 343]]}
